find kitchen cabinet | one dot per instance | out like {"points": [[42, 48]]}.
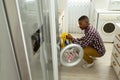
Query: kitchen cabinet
{"points": [[116, 55]]}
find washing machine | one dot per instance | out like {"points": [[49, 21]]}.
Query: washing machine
{"points": [[106, 25], [71, 55], [118, 25]]}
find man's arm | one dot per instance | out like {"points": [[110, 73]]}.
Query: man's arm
{"points": [[70, 37], [75, 40], [87, 38], [80, 39]]}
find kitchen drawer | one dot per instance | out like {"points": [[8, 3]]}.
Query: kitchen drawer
{"points": [[115, 65], [118, 36], [116, 53], [117, 41], [119, 75]]}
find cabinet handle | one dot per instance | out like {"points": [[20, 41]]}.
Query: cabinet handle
{"points": [[118, 46], [116, 55], [114, 63], [119, 35]]}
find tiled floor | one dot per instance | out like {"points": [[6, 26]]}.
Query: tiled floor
{"points": [[102, 69]]}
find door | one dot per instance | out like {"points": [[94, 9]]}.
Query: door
{"points": [[8, 64], [34, 18], [31, 29]]}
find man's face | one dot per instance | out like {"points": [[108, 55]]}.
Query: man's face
{"points": [[83, 24]]}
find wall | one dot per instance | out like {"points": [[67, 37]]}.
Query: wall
{"points": [[72, 11], [97, 4], [61, 5], [101, 4]]}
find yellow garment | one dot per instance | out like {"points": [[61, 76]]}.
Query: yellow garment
{"points": [[90, 52], [64, 40]]}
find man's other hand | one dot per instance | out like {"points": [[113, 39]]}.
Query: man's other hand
{"points": [[69, 37]]}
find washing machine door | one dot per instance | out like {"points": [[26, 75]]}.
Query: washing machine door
{"points": [[71, 55], [109, 28]]}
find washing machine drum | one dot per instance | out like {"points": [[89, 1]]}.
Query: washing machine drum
{"points": [[71, 55], [109, 28]]}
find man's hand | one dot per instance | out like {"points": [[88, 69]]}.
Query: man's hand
{"points": [[69, 37]]}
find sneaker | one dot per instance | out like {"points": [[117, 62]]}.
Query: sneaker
{"points": [[82, 62], [88, 65], [94, 58]]}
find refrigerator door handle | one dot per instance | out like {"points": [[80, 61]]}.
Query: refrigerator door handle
{"points": [[58, 46]]}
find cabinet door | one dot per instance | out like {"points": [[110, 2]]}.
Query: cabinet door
{"points": [[115, 65], [119, 75], [116, 53], [34, 17], [117, 42], [8, 66]]}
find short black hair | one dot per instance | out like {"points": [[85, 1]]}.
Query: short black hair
{"points": [[83, 18]]}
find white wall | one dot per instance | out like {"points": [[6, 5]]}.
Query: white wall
{"points": [[97, 4], [61, 5], [101, 4]]}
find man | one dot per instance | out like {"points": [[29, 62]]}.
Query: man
{"points": [[91, 43]]}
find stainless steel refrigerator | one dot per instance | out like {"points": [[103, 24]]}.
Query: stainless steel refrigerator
{"points": [[30, 29], [32, 35], [8, 62]]}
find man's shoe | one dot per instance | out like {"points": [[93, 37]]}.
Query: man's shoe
{"points": [[88, 65]]}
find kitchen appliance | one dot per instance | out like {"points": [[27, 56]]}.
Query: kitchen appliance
{"points": [[29, 22], [35, 36], [105, 23], [9, 69], [118, 25]]}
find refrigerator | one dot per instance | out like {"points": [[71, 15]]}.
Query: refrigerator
{"points": [[34, 41], [30, 28], [8, 63]]}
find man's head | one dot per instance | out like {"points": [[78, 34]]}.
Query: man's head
{"points": [[83, 22]]}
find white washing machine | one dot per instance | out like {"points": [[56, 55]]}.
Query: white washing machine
{"points": [[106, 25], [118, 25]]}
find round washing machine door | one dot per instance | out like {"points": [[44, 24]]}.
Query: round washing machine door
{"points": [[109, 28], [71, 55]]}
